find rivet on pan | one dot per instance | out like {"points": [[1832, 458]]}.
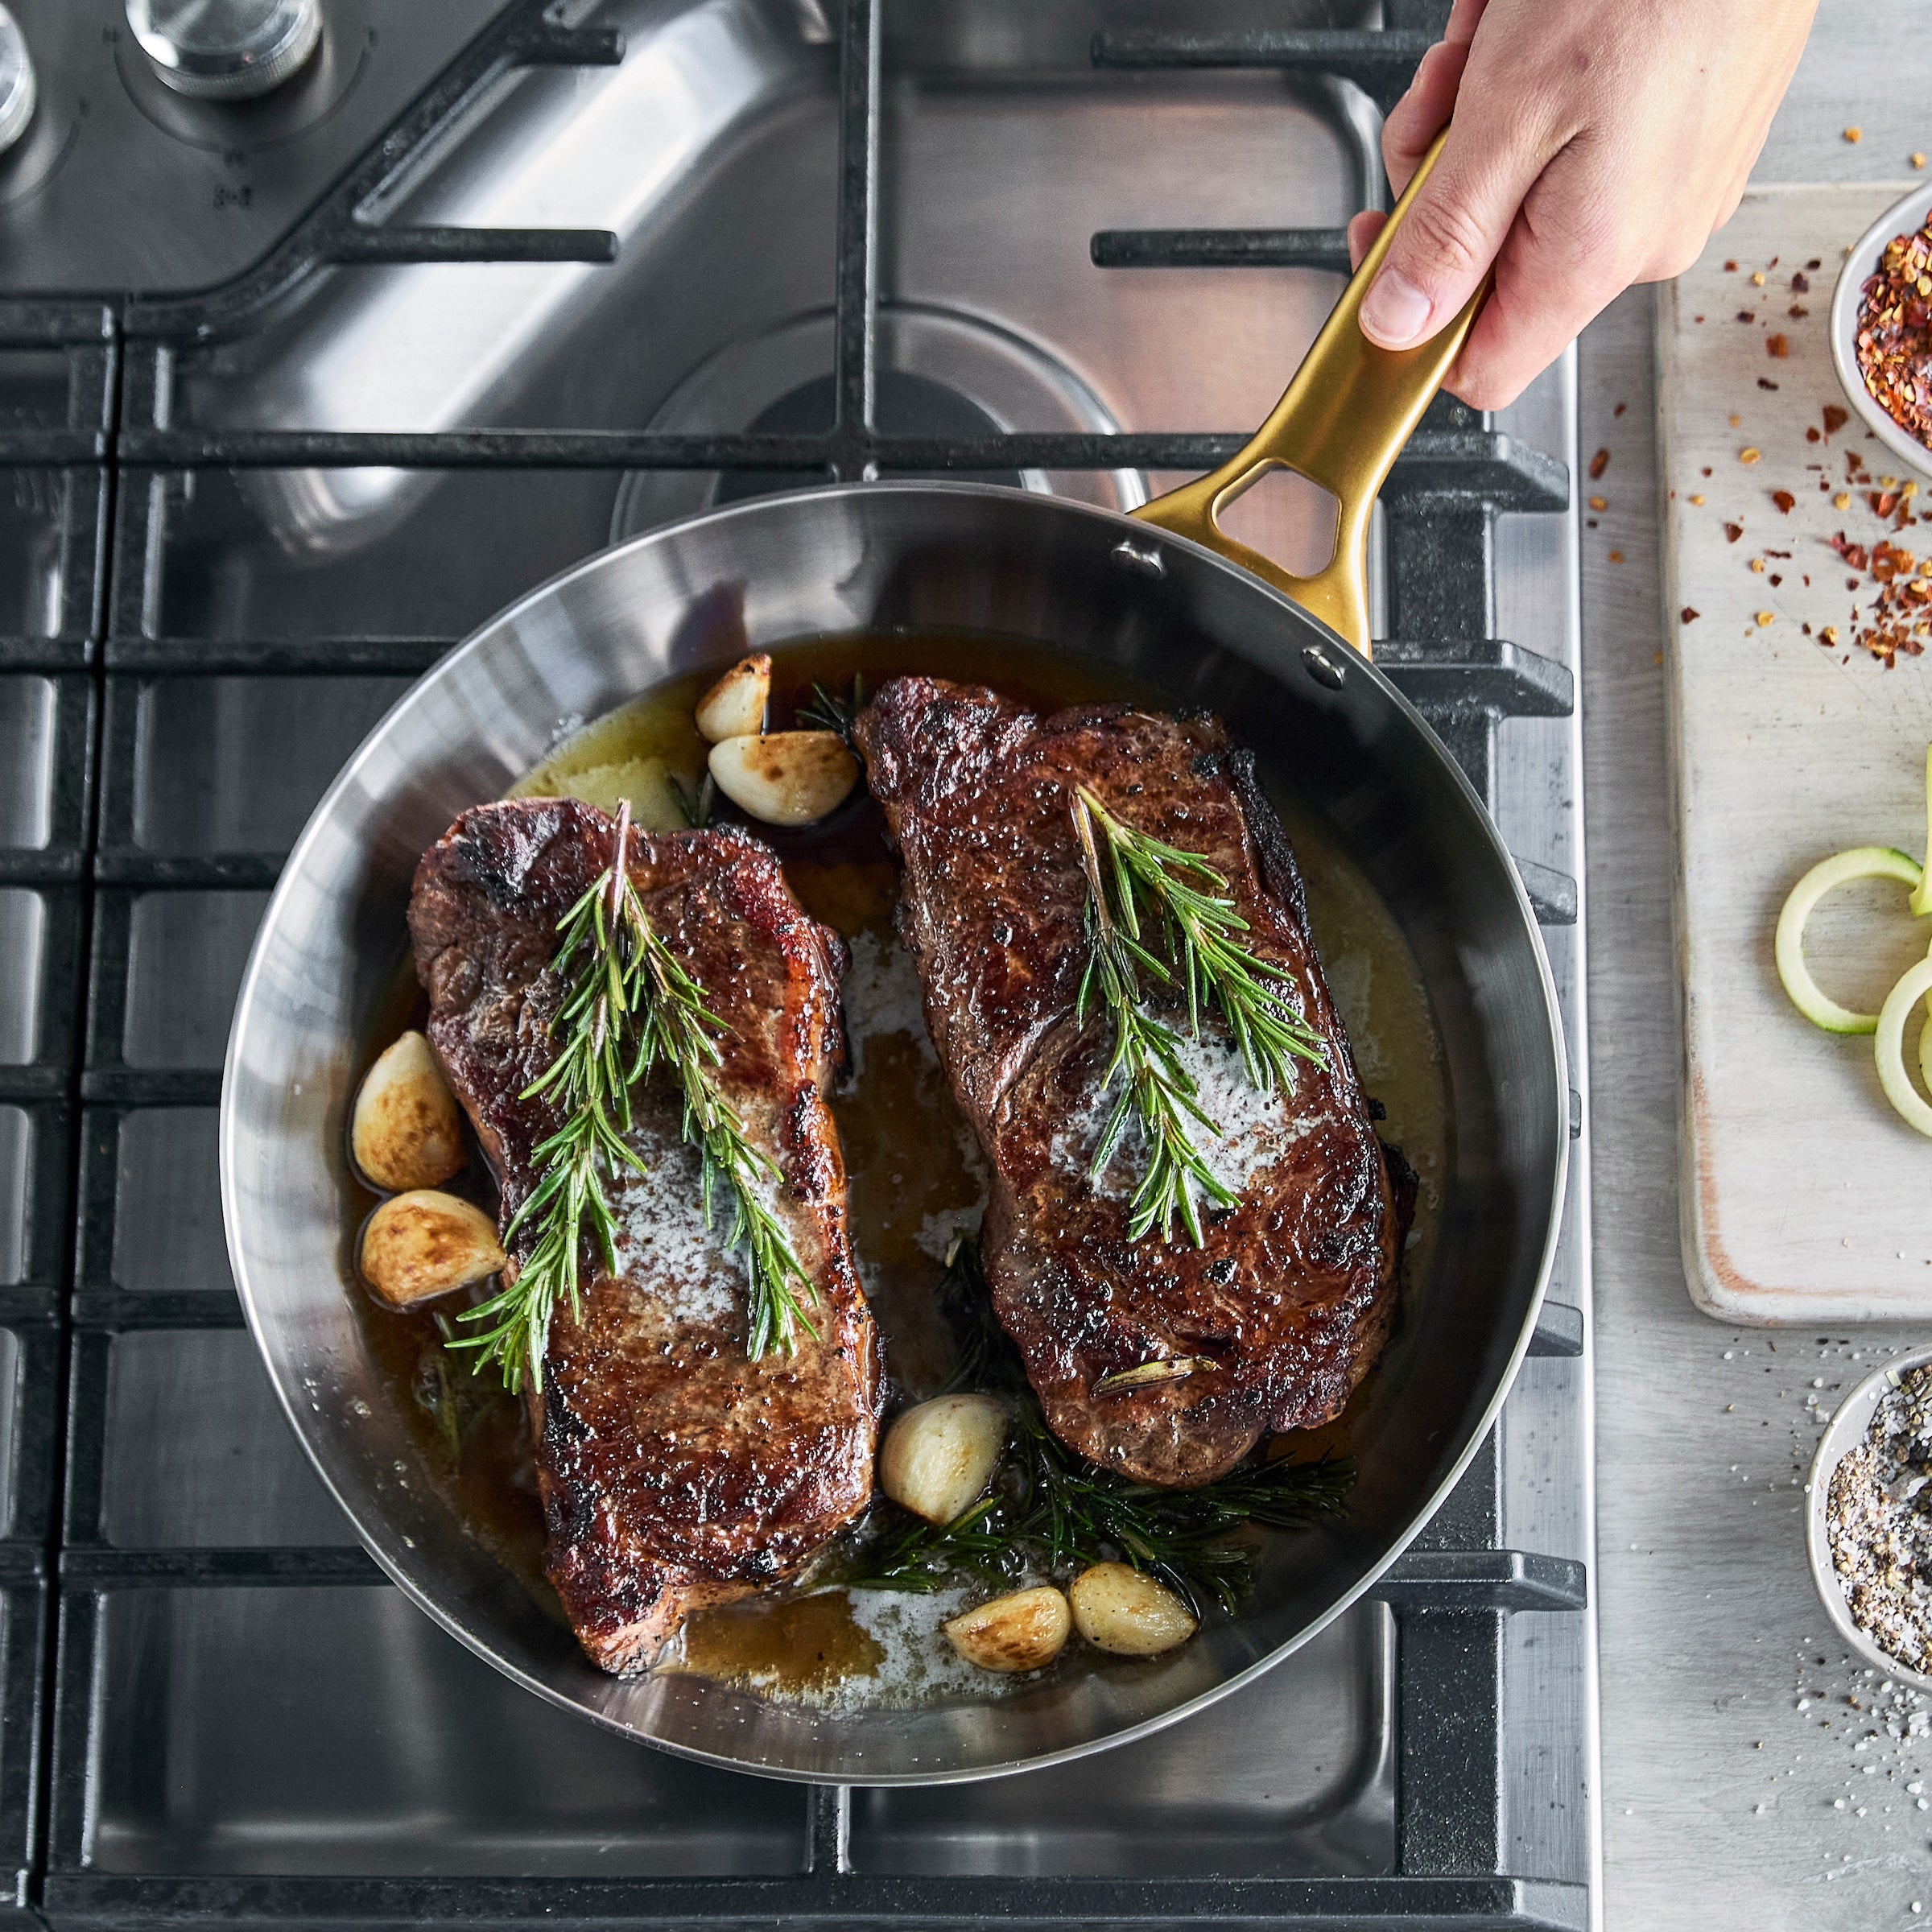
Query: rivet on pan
{"points": [[1149, 562], [1321, 667]]}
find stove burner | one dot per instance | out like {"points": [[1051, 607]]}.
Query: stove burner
{"points": [[907, 406], [941, 372]]}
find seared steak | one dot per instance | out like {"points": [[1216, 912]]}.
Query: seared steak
{"points": [[1290, 1299], [674, 1472]]}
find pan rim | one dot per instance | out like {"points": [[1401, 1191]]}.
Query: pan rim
{"points": [[377, 1534]]}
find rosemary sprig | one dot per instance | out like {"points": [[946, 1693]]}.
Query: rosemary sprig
{"points": [[1055, 1511], [1199, 926], [449, 1389], [1157, 1089], [1144, 881], [1052, 1509], [828, 711], [698, 808], [628, 1003]]}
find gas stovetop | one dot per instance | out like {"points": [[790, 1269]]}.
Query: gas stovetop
{"points": [[297, 390]]}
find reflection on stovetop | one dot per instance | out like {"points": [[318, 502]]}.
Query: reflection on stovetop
{"points": [[237, 1693]]}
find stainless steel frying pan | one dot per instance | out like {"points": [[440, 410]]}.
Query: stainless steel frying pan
{"points": [[1164, 607]]}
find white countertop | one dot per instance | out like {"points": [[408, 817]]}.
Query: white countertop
{"points": [[1721, 1796]]}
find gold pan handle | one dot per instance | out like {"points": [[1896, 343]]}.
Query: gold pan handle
{"points": [[1341, 423]]}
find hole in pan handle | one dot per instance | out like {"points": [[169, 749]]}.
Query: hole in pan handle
{"points": [[1341, 423]]}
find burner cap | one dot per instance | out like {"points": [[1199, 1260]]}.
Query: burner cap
{"points": [[904, 405], [940, 374]]}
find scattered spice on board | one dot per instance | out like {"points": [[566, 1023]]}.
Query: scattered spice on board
{"points": [[1599, 463], [1878, 1515], [1895, 332], [1900, 616]]}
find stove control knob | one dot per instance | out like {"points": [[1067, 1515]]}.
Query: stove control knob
{"points": [[18, 88], [226, 50]]}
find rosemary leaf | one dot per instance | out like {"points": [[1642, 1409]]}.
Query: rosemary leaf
{"points": [[827, 712]]}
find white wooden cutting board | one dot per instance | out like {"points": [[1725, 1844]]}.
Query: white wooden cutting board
{"points": [[1806, 1198]]}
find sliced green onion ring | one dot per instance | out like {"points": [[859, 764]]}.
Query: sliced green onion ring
{"points": [[1861, 862], [1888, 1045]]}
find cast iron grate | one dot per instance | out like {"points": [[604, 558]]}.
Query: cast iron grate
{"points": [[58, 363], [188, 915]]}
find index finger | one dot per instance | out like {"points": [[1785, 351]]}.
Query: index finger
{"points": [[1423, 112]]}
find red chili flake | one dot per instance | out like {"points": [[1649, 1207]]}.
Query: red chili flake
{"points": [[1774, 580], [1784, 553], [1745, 315], [1815, 263], [1688, 616], [1765, 383], [1811, 435], [1798, 312], [1801, 283], [1894, 341], [1783, 499], [1622, 407], [1707, 469], [1778, 347], [1732, 532], [1836, 417], [1730, 268], [1601, 462], [1697, 318]]}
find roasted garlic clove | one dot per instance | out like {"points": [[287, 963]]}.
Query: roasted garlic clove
{"points": [[1025, 1631], [937, 1459], [655, 804], [423, 1244], [1117, 1608], [788, 778], [407, 1129], [734, 707]]}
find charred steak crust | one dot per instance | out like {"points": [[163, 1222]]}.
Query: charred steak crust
{"points": [[1292, 1296], [674, 1473]]}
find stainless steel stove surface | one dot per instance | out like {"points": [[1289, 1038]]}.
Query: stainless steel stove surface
{"points": [[281, 425]]}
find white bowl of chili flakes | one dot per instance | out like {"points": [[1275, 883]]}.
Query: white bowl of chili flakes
{"points": [[1895, 343]]}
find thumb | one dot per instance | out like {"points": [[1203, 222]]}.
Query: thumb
{"points": [[1451, 233]]}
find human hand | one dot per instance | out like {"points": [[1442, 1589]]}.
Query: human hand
{"points": [[1592, 147]]}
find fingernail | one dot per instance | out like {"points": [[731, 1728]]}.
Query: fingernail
{"points": [[1395, 312]]}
